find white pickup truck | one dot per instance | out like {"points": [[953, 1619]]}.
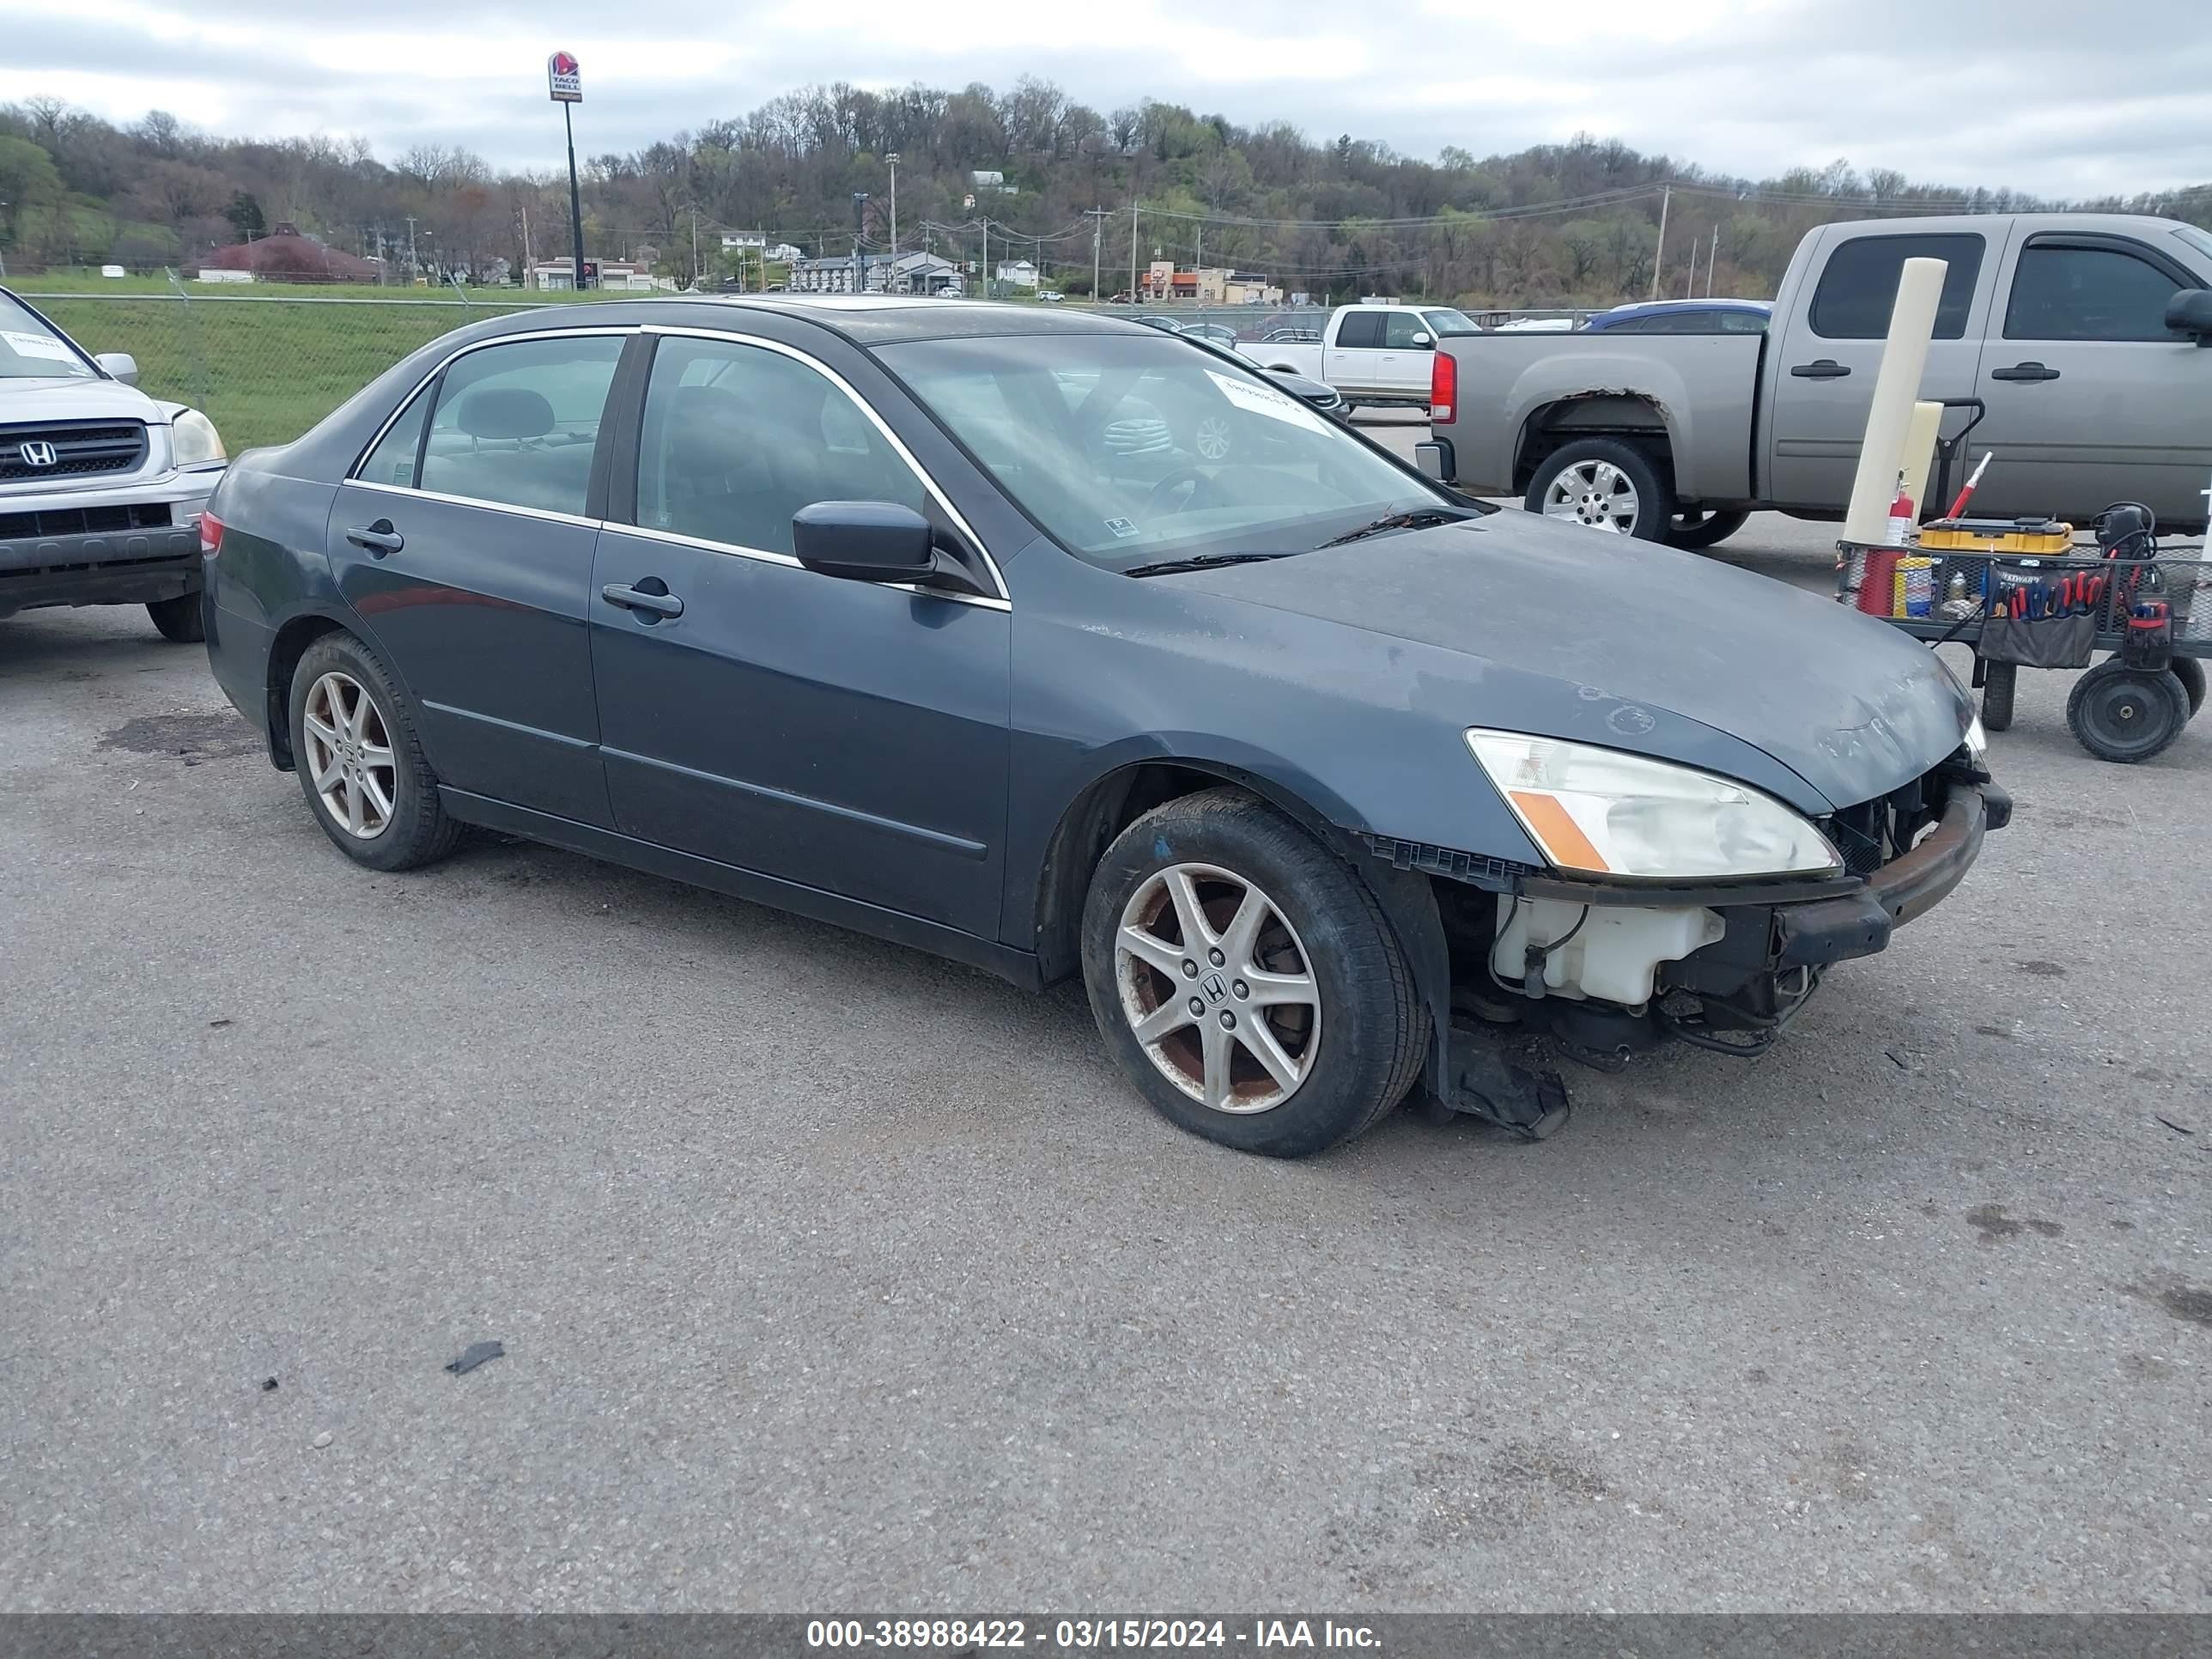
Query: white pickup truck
{"points": [[1372, 354]]}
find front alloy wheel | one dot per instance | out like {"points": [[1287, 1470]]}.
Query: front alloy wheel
{"points": [[1218, 988], [349, 758]]}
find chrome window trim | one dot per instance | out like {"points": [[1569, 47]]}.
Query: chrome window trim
{"points": [[546, 513], [769, 556], [921, 472], [353, 472]]}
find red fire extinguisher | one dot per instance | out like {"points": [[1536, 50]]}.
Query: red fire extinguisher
{"points": [[1900, 516]]}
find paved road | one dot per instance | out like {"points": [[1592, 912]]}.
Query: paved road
{"points": [[830, 1275]]}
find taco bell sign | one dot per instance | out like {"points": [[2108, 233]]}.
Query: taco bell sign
{"points": [[564, 78]]}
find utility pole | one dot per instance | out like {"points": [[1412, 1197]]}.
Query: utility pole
{"points": [[894, 160], [695, 250], [1710, 260], [983, 271], [860, 217], [1097, 218], [413, 269], [1690, 284], [527, 261], [1659, 257]]}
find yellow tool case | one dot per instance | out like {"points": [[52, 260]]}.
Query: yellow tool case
{"points": [[2048, 536]]}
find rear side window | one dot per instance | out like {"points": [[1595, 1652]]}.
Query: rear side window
{"points": [[2062, 292], [393, 460], [1360, 330], [516, 423], [1858, 288]]}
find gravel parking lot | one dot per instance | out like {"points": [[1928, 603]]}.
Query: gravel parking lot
{"points": [[831, 1275]]}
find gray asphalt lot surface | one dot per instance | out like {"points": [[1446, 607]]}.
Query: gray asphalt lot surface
{"points": [[832, 1276]]}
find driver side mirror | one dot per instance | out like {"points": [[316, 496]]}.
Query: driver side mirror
{"points": [[1425, 341], [118, 366], [2189, 312], [874, 542]]}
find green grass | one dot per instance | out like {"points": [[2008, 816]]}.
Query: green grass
{"points": [[263, 372]]}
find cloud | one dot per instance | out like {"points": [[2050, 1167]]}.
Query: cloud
{"points": [[2044, 95]]}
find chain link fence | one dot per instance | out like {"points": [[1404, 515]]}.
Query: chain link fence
{"points": [[265, 368]]}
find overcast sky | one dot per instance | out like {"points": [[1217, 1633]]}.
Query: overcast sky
{"points": [[2058, 97]]}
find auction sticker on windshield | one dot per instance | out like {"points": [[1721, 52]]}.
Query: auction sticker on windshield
{"points": [[37, 345], [1265, 400]]}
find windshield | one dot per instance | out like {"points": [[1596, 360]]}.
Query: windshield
{"points": [[29, 349], [1130, 451], [1445, 324]]}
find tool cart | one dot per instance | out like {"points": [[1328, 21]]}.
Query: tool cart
{"points": [[2025, 594]]}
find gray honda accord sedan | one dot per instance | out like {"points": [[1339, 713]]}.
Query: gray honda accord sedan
{"points": [[1047, 643]]}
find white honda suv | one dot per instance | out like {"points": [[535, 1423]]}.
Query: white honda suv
{"points": [[102, 486]]}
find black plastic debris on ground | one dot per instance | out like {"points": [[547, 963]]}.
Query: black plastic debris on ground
{"points": [[268, 1385], [476, 1354]]}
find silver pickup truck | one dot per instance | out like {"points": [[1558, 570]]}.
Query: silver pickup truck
{"points": [[102, 486], [2079, 332]]}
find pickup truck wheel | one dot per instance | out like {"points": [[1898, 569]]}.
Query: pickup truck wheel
{"points": [[1245, 979], [179, 619], [1699, 529], [1604, 484]]}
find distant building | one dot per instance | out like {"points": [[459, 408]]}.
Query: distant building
{"points": [[1211, 285], [734, 244], [1021, 273], [918, 273], [834, 273], [284, 256], [557, 275], [783, 252]]}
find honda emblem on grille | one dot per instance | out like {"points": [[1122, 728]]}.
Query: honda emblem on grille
{"points": [[37, 454]]}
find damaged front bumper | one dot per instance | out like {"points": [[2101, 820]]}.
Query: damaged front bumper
{"points": [[1767, 945]]}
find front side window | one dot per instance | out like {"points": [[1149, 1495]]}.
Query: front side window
{"points": [[738, 437], [1858, 288], [30, 350], [2062, 292], [1129, 451], [516, 423], [1400, 327]]}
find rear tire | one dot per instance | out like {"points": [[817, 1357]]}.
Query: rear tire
{"points": [[2124, 716], [2190, 672], [179, 619], [2000, 679], [359, 762], [1697, 530], [1308, 974], [1604, 484]]}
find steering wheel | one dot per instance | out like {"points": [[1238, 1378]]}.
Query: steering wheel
{"points": [[1202, 489]]}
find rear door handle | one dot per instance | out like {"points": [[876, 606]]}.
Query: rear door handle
{"points": [[663, 603], [1827, 369], [379, 538], [2024, 372]]}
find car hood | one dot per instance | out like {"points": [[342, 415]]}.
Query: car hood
{"points": [[64, 399], [1565, 632]]}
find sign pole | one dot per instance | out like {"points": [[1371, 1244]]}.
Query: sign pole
{"points": [[564, 82]]}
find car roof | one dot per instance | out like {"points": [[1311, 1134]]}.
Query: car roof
{"points": [[866, 319]]}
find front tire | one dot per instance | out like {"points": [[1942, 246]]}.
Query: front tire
{"points": [[179, 619], [1698, 530], [359, 762], [1245, 981], [1603, 484]]}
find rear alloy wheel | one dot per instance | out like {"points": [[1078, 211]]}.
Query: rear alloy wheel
{"points": [[2125, 714], [179, 619], [1602, 483], [1245, 979], [359, 764]]}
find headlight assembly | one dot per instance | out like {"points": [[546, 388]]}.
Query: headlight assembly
{"points": [[193, 439], [1598, 812]]}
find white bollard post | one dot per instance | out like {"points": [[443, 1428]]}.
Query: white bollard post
{"points": [[1896, 388]]}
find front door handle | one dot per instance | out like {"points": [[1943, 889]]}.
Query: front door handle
{"points": [[640, 598], [2024, 372], [379, 538], [1827, 369]]}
